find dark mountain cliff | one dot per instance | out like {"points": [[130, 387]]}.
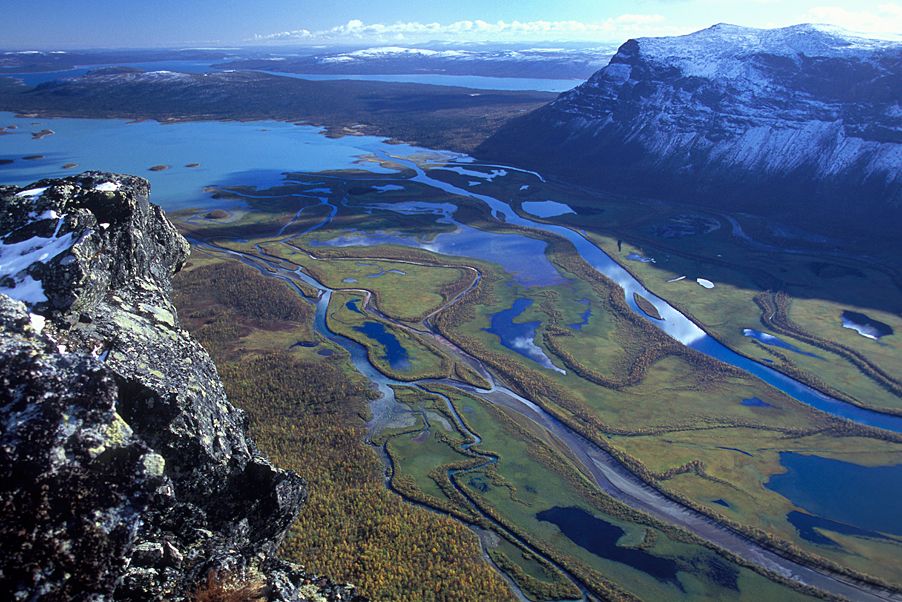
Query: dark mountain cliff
{"points": [[803, 122], [125, 473]]}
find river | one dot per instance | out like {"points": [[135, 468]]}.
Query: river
{"points": [[259, 153]]}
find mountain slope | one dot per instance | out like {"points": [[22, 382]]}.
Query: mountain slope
{"points": [[781, 121]]}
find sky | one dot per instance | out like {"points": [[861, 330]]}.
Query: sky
{"points": [[67, 24]]}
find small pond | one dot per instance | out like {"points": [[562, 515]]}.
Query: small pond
{"points": [[546, 208], [395, 353], [600, 538], [520, 336], [865, 325]]}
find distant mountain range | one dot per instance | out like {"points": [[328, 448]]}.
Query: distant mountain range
{"points": [[559, 62], [802, 122]]}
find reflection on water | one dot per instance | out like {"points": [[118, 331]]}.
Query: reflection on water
{"points": [[865, 326], [520, 336]]}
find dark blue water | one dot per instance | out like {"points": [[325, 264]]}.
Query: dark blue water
{"points": [[395, 353], [722, 502], [519, 336], [755, 402], [865, 497], [352, 305], [600, 538], [769, 339], [865, 325], [807, 526]]}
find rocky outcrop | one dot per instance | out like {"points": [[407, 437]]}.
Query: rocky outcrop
{"points": [[125, 473], [802, 122]]}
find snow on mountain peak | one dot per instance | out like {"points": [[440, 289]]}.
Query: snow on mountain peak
{"points": [[721, 49]]}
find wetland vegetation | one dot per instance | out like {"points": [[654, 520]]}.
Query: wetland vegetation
{"points": [[703, 432]]}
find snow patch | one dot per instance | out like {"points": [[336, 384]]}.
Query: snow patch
{"points": [[37, 322], [17, 257], [31, 192]]}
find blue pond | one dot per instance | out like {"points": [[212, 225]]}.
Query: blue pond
{"points": [[722, 502], [352, 305], [865, 325], [395, 353], [755, 402], [769, 339], [520, 336], [600, 538], [862, 497]]}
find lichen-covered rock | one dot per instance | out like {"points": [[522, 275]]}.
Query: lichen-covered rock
{"points": [[126, 473]]}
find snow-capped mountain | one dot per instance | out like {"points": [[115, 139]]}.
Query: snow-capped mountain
{"points": [[782, 119]]}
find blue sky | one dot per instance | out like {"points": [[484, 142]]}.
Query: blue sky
{"points": [[47, 24]]}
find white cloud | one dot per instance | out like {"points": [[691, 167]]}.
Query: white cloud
{"points": [[611, 29], [886, 20]]}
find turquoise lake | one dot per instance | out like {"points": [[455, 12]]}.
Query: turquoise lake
{"points": [[249, 153]]}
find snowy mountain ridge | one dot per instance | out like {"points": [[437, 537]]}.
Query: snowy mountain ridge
{"points": [[786, 117]]}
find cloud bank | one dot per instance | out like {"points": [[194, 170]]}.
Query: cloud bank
{"points": [[611, 29], [884, 20]]}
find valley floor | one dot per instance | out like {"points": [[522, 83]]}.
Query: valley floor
{"points": [[532, 414]]}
